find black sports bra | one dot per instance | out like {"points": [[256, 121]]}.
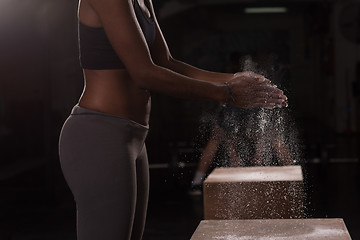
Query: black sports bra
{"points": [[96, 51]]}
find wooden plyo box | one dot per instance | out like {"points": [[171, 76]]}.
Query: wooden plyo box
{"points": [[272, 229], [254, 193]]}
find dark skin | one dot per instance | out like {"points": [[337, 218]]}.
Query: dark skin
{"points": [[126, 92]]}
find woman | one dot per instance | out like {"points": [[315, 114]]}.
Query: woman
{"points": [[102, 150]]}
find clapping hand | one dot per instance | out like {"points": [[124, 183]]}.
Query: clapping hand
{"points": [[251, 90]]}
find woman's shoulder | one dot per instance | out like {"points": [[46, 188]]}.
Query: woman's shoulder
{"points": [[87, 14]]}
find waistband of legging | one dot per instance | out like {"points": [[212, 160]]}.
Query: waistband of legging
{"points": [[78, 110]]}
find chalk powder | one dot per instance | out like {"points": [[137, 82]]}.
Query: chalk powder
{"points": [[256, 134], [255, 127], [317, 233], [264, 135]]}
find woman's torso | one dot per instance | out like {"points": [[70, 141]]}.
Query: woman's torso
{"points": [[112, 90]]}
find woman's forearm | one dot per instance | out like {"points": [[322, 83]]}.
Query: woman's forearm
{"points": [[193, 72], [170, 82], [245, 89]]}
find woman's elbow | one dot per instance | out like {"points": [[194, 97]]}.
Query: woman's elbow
{"points": [[144, 76]]}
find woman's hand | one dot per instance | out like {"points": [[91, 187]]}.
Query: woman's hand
{"points": [[251, 90]]}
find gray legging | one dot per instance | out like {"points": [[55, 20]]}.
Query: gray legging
{"points": [[104, 161]]}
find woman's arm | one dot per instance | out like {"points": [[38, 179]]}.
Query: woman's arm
{"points": [[124, 33], [191, 71], [161, 55], [246, 94]]}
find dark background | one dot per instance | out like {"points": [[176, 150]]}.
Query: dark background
{"points": [[317, 41]]}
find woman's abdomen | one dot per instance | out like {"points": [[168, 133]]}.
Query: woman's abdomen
{"points": [[114, 92]]}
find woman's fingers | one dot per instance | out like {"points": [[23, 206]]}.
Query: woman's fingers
{"points": [[270, 95], [252, 90], [265, 97], [285, 104], [256, 78], [267, 88], [267, 100], [252, 77], [262, 105]]}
